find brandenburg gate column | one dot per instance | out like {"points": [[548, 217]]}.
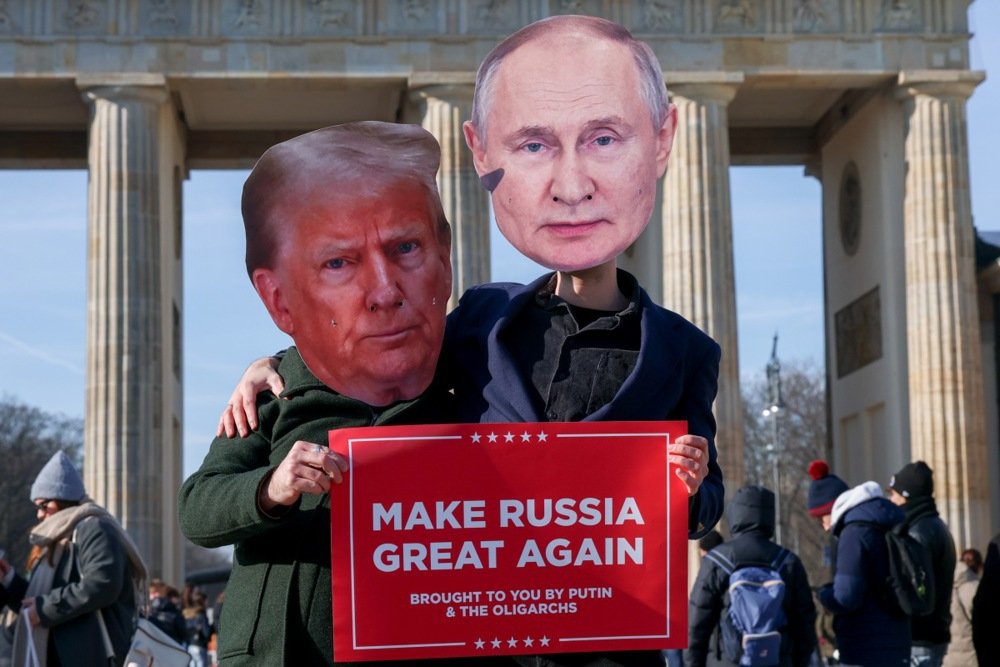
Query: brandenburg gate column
{"points": [[441, 108], [132, 448], [947, 422], [698, 278]]}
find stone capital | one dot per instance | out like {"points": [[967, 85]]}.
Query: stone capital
{"points": [[151, 89], [938, 83], [718, 87]]}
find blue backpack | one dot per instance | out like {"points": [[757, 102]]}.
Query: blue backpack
{"points": [[750, 632]]}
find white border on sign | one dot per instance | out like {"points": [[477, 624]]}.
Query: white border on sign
{"points": [[354, 633]]}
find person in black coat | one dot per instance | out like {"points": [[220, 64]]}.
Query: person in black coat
{"points": [[164, 612], [986, 608], [912, 488], [751, 520]]}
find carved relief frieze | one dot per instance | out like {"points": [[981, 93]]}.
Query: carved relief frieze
{"points": [[165, 17], [246, 17], [490, 17], [591, 7], [858, 332], [899, 16], [332, 17], [817, 16], [83, 17], [738, 16], [415, 11], [285, 19], [8, 24], [660, 16], [415, 17]]}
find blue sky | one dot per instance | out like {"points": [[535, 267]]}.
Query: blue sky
{"points": [[776, 224]]}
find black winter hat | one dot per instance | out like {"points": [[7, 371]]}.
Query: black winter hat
{"points": [[824, 489], [913, 480]]}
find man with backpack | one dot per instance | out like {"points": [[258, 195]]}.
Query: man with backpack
{"points": [[755, 591], [871, 630], [912, 489]]}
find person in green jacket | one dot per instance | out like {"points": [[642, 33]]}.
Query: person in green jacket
{"points": [[349, 250]]}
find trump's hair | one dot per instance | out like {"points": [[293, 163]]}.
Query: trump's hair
{"points": [[363, 158]]}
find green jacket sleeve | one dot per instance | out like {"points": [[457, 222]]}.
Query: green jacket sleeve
{"points": [[217, 505]]}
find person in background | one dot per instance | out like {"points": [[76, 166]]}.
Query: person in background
{"points": [[823, 491], [912, 488], [868, 633], [711, 540], [164, 612], [81, 562], [986, 609], [961, 651], [751, 518], [199, 629]]}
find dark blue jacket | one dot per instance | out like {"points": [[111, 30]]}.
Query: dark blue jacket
{"points": [[867, 633], [676, 376]]}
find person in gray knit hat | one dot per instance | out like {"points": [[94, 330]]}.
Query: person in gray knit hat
{"points": [[81, 561], [912, 488]]}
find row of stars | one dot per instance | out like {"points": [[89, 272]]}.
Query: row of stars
{"points": [[508, 437], [527, 642]]}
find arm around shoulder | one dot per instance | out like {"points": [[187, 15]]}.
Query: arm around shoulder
{"points": [[217, 505]]}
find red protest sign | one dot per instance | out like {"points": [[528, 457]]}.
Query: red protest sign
{"points": [[499, 539]]}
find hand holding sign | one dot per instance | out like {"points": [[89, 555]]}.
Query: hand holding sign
{"points": [[690, 454], [307, 468]]}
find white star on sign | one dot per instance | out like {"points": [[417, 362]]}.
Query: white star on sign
{"points": [[495, 643], [508, 437], [525, 437], [476, 437], [492, 437], [529, 642], [480, 644], [542, 436], [512, 643], [544, 641]]}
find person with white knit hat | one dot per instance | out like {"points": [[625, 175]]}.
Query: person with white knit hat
{"points": [[869, 633], [82, 564]]}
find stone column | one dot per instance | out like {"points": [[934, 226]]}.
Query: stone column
{"points": [[947, 420], [698, 278], [441, 108], [124, 420]]}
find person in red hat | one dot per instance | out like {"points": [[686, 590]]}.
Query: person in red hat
{"points": [[869, 634], [823, 490]]}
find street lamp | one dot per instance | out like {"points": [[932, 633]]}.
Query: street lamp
{"points": [[774, 405]]}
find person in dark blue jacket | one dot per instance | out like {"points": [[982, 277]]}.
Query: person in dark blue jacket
{"points": [[868, 633]]}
